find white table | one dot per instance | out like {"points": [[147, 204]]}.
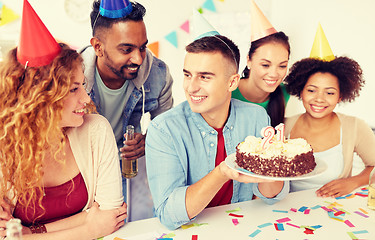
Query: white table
{"points": [[256, 212]]}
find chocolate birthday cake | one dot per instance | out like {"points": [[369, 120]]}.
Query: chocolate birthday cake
{"points": [[288, 158]]}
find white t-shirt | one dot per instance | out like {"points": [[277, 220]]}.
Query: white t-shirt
{"points": [[334, 159]]}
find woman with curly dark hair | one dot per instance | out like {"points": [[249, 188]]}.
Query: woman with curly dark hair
{"points": [[334, 137]]}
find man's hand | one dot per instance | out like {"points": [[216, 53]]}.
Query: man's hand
{"points": [[134, 148]]}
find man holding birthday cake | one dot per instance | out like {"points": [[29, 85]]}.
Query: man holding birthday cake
{"points": [[186, 146]]}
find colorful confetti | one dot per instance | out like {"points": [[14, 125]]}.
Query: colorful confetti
{"points": [[235, 215], [256, 232], [362, 210], [280, 211], [235, 221], [361, 214], [347, 222], [264, 225], [279, 226], [234, 210], [302, 209], [194, 237], [316, 207], [292, 225], [282, 220]]}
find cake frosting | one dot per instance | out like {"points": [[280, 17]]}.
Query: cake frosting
{"points": [[287, 158]]}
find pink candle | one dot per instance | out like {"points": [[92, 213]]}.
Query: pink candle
{"points": [[267, 134]]}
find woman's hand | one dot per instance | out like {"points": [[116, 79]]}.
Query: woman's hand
{"points": [[104, 222], [337, 188], [5, 216]]}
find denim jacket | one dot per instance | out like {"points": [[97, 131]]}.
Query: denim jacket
{"points": [[153, 75], [181, 150]]}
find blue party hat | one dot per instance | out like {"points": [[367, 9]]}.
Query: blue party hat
{"points": [[115, 8]]}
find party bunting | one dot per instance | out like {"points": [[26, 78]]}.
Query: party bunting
{"points": [[209, 4], [172, 38], [154, 48], [7, 15], [185, 26]]}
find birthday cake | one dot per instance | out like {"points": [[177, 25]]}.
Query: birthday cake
{"points": [[274, 156]]}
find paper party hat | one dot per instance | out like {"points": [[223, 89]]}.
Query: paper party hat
{"points": [[260, 26], [201, 27], [321, 48], [37, 47], [115, 8]]}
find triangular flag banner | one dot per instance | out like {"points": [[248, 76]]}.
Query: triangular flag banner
{"points": [[260, 26], [154, 48], [185, 26], [200, 27], [209, 4], [172, 38], [7, 15], [321, 48]]}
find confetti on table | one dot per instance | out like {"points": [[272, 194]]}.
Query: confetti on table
{"points": [[316, 207], [347, 222], [235, 221], [316, 226], [279, 226], [194, 237], [360, 232], [362, 210], [101, 238], [282, 220], [264, 225], [308, 231], [327, 209], [302, 209], [234, 210], [352, 235], [307, 211], [256, 232], [351, 196], [346, 212], [116, 238], [186, 226], [290, 224], [339, 213], [364, 189], [235, 215], [361, 194], [280, 211], [293, 210], [169, 235], [361, 214]]}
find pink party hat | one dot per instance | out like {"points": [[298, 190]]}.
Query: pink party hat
{"points": [[200, 27], [37, 47], [321, 48], [260, 26]]}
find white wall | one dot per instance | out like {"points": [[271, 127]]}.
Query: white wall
{"points": [[349, 26]]}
